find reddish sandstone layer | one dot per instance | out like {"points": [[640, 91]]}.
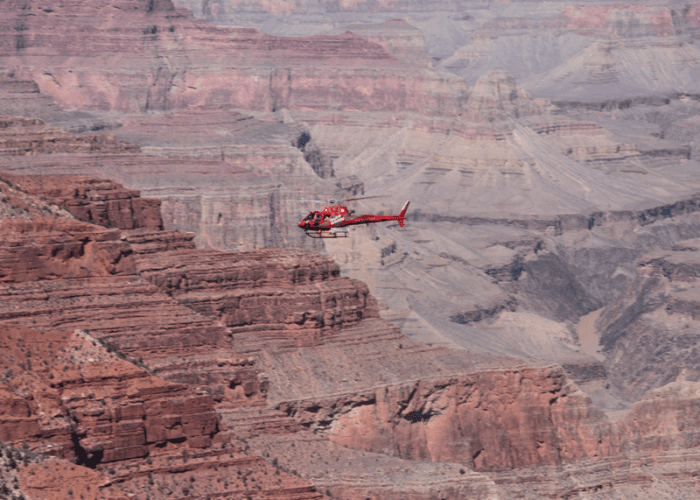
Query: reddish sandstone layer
{"points": [[269, 299], [82, 61], [52, 248], [61, 480], [97, 201], [66, 395], [487, 420]]}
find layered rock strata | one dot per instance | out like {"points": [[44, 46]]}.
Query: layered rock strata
{"points": [[52, 248], [468, 419], [222, 186], [267, 299], [79, 396], [654, 318], [65, 394], [73, 399], [97, 201], [329, 66], [176, 308], [29, 136]]}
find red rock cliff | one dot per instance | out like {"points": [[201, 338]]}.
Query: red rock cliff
{"points": [[490, 420], [258, 71], [97, 201]]}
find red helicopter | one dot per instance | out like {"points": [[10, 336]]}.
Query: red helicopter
{"points": [[332, 221]]}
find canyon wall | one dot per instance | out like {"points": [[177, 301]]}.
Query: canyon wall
{"points": [[654, 318], [279, 344], [231, 67], [270, 374], [225, 192], [488, 420]]}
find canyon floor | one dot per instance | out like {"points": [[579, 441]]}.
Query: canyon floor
{"points": [[168, 332]]}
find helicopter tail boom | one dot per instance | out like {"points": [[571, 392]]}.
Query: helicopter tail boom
{"points": [[402, 214]]}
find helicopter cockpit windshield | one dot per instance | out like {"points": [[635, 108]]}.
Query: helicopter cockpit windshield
{"points": [[309, 217]]}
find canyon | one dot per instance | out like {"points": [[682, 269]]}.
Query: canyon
{"points": [[168, 331], [244, 355]]}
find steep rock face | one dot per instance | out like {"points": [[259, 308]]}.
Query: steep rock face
{"points": [[51, 248], [676, 406], [65, 394], [302, 69], [97, 201], [203, 302], [65, 274], [94, 200], [654, 318], [174, 341], [470, 419], [68, 396], [267, 299], [225, 176]]}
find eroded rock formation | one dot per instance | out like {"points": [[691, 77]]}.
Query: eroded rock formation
{"points": [[293, 356], [318, 358], [75, 400], [97, 201], [316, 70], [654, 318], [488, 420]]}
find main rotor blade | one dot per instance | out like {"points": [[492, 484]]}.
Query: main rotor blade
{"points": [[334, 201], [362, 198]]}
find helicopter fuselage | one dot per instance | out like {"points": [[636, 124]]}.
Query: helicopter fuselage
{"points": [[332, 218]]}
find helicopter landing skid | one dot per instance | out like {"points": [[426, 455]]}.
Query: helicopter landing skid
{"points": [[333, 233]]}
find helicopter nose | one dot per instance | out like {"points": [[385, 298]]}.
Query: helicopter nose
{"points": [[302, 223]]}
